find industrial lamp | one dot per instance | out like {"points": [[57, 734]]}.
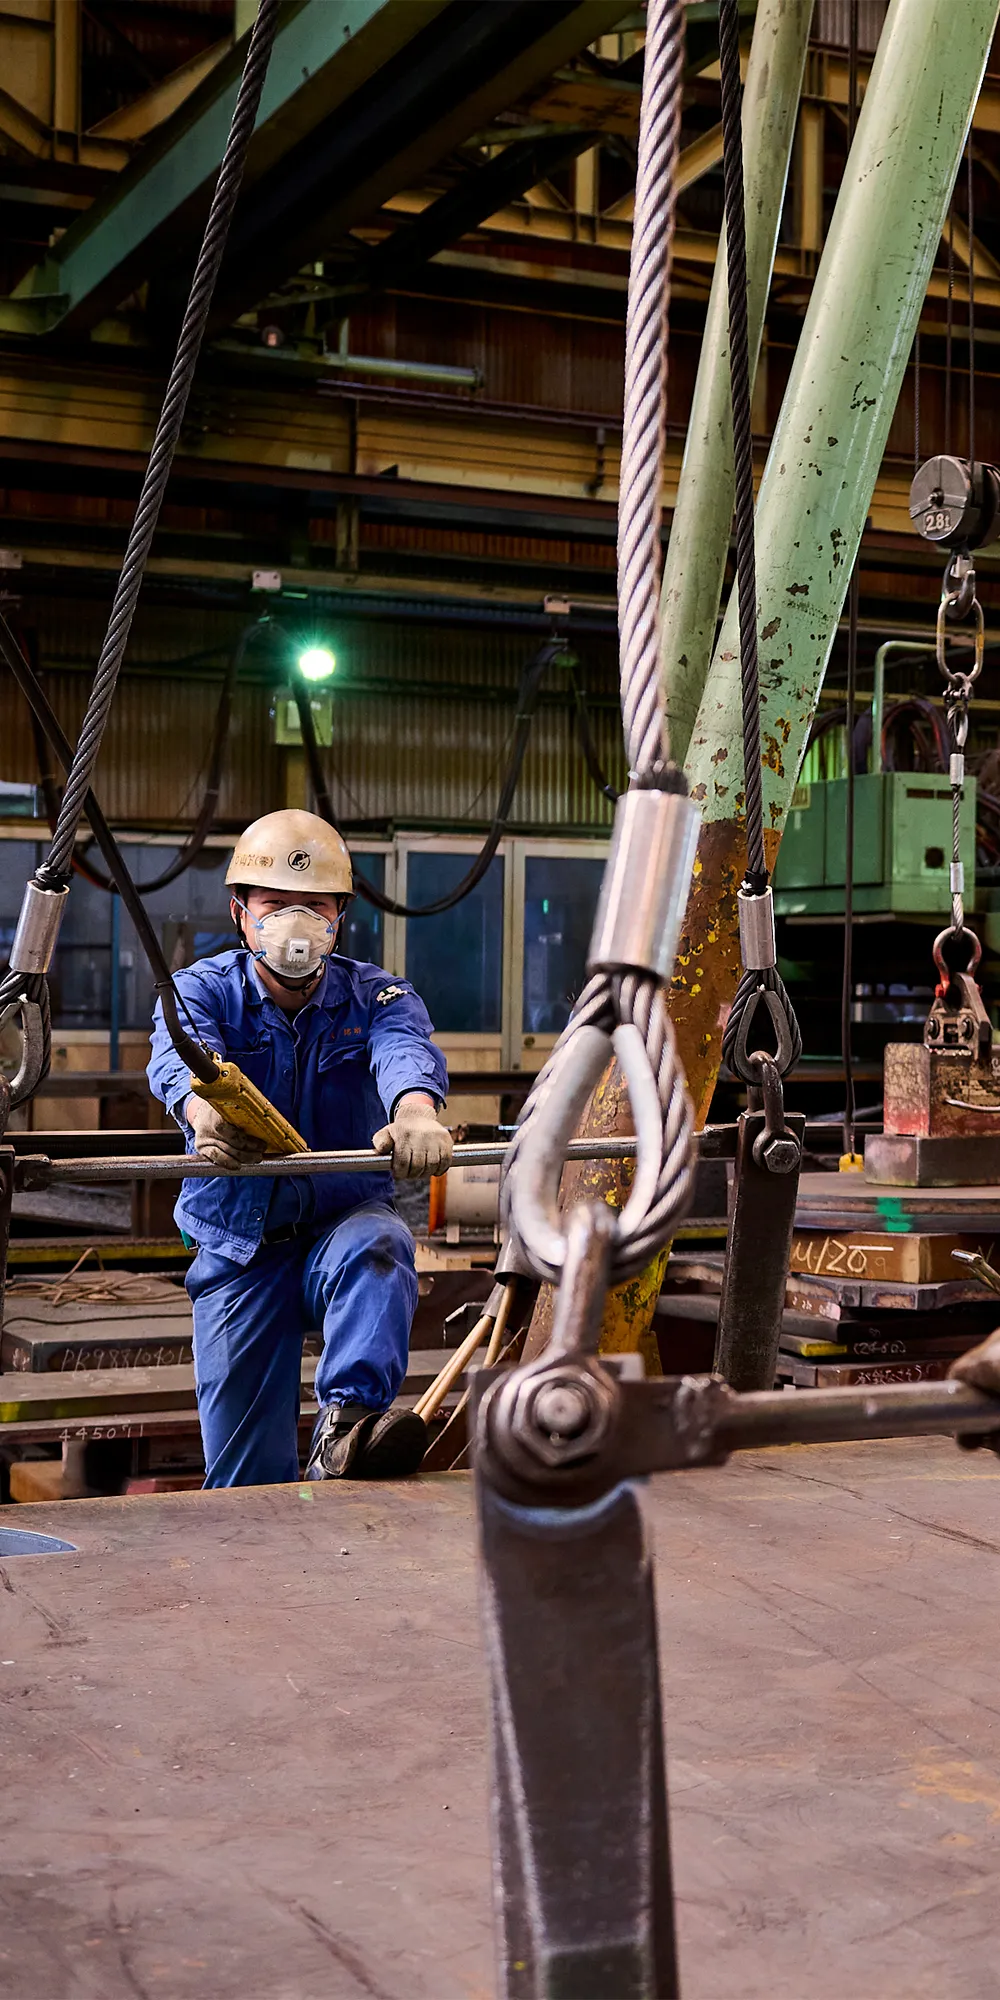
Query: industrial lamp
{"points": [[317, 663]]}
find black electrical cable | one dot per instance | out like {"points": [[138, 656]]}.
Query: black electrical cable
{"points": [[585, 734], [194, 1054], [949, 322], [55, 869], [205, 819], [972, 301], [527, 702], [739, 368]]}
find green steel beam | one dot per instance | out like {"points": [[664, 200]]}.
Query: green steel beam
{"points": [[322, 52], [699, 535], [842, 392], [327, 54]]}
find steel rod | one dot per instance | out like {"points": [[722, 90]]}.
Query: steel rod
{"points": [[188, 1167], [833, 1416]]}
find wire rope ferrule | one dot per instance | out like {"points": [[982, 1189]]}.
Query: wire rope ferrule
{"points": [[647, 877], [758, 947], [37, 930]]}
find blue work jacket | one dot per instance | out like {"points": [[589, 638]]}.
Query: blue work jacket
{"points": [[336, 1070]]}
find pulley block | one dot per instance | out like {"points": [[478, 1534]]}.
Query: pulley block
{"points": [[956, 504]]}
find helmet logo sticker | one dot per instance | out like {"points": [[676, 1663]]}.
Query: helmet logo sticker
{"points": [[299, 859]]}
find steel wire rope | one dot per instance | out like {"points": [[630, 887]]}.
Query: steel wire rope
{"points": [[214, 767], [56, 865], [632, 1001], [20, 991], [188, 1046], [750, 1002]]}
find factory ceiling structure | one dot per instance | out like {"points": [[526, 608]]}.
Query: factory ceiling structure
{"points": [[420, 168]]}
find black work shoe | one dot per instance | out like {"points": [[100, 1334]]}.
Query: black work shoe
{"points": [[393, 1448], [337, 1439]]}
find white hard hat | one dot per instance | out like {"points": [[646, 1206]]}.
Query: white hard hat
{"points": [[292, 850]]}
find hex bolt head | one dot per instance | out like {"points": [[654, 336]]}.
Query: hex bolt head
{"points": [[779, 1154], [563, 1410]]}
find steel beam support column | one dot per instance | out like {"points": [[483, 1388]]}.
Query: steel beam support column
{"points": [[811, 511], [703, 516], [822, 467]]}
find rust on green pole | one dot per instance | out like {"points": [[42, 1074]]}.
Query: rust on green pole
{"points": [[699, 533], [811, 510]]}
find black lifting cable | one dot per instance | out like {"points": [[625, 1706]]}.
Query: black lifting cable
{"points": [[739, 369], [757, 985], [201, 1063], [527, 703], [54, 873], [847, 973], [204, 820]]}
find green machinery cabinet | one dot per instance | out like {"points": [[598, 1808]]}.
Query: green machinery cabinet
{"points": [[902, 847]]}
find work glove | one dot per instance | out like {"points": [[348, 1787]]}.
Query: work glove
{"points": [[418, 1144], [216, 1140], [980, 1368]]}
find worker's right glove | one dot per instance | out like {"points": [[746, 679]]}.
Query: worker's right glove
{"points": [[216, 1140]]}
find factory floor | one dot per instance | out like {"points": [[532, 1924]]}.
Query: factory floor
{"points": [[243, 1750]]}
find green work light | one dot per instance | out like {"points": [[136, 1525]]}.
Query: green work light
{"points": [[317, 663]]}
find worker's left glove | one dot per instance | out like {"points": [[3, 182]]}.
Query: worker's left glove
{"points": [[418, 1144]]}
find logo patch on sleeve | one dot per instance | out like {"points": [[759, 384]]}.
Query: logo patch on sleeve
{"points": [[388, 995]]}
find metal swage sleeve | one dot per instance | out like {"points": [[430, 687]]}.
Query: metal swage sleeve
{"points": [[739, 372], [644, 422], [55, 870]]}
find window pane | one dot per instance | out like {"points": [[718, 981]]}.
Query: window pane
{"points": [[560, 897], [455, 960], [190, 916], [364, 930]]}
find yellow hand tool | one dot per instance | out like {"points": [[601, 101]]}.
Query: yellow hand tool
{"points": [[244, 1105]]}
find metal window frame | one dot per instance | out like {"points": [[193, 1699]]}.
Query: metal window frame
{"points": [[522, 1051], [492, 1044]]}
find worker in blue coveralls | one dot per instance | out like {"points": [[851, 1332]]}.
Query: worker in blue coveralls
{"points": [[344, 1052]]}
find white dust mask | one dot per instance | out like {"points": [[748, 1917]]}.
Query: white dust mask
{"points": [[294, 941]]}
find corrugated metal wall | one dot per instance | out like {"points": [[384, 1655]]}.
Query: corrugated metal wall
{"points": [[422, 721]]}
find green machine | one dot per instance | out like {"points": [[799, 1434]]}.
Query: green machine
{"points": [[902, 836]]}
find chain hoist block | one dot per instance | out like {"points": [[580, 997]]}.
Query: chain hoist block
{"points": [[956, 504]]}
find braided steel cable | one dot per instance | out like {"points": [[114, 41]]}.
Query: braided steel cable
{"points": [[644, 421], [607, 1003], [755, 985], [54, 871], [739, 372], [636, 1000]]}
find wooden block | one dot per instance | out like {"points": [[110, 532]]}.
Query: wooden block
{"points": [[36, 1479], [865, 1254]]}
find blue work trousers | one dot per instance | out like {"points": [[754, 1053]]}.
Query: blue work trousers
{"points": [[356, 1280]]}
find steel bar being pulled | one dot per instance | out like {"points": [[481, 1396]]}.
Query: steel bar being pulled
{"points": [[37, 1171]]}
